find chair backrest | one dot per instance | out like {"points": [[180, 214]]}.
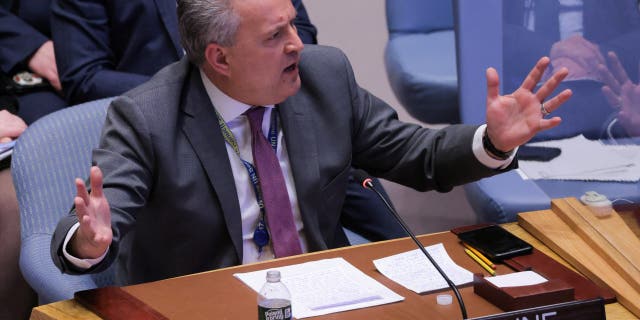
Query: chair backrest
{"points": [[48, 156], [418, 16], [476, 51]]}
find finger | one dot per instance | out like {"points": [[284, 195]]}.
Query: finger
{"points": [[535, 74], [612, 98], [616, 68], [81, 190], [546, 124], [55, 83], [608, 78], [493, 85], [5, 139], [554, 103], [548, 87], [13, 131], [81, 211], [96, 181], [590, 45], [594, 55]]}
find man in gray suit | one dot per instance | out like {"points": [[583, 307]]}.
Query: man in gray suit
{"points": [[173, 192]]}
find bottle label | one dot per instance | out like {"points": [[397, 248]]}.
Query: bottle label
{"points": [[275, 311]]}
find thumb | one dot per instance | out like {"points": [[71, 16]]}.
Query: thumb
{"points": [[493, 85]]}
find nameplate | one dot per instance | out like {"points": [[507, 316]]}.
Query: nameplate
{"points": [[575, 310]]}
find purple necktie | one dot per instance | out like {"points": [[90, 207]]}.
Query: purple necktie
{"points": [[283, 231]]}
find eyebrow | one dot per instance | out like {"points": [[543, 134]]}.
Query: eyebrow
{"points": [[281, 25]]}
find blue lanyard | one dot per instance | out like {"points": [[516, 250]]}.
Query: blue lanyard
{"points": [[261, 233]]}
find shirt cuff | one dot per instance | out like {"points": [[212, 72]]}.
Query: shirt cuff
{"points": [[482, 155], [82, 264]]}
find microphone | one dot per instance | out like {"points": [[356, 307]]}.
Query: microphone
{"points": [[363, 177]]}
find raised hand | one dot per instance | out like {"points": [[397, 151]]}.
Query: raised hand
{"points": [[622, 94], [514, 119], [94, 235]]}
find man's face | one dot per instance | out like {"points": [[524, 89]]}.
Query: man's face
{"points": [[263, 62]]}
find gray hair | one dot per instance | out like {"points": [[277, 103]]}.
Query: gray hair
{"points": [[202, 22]]}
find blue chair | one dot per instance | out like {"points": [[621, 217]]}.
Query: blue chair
{"points": [[420, 58], [47, 158], [487, 38]]}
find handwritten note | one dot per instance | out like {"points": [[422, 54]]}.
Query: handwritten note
{"points": [[325, 286], [415, 272]]}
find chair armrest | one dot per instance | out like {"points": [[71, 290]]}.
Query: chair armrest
{"points": [[500, 198], [44, 277]]}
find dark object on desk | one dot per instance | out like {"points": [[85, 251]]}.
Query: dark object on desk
{"points": [[495, 242], [579, 309], [112, 303], [522, 297], [551, 269], [533, 153]]}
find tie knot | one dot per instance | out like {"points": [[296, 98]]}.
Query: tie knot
{"points": [[255, 115]]}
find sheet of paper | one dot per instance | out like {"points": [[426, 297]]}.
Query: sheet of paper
{"points": [[517, 279], [584, 159], [325, 286], [415, 272]]}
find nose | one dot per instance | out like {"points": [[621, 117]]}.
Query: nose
{"points": [[294, 44]]}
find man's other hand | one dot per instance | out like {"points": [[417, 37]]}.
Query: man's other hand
{"points": [[94, 235]]}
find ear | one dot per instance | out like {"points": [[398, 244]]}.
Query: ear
{"points": [[216, 57]]}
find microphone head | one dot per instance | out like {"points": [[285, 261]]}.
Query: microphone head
{"points": [[362, 177]]}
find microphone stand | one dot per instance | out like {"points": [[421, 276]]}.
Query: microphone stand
{"points": [[369, 185]]}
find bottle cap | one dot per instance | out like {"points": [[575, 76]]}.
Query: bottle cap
{"points": [[273, 276], [444, 299]]}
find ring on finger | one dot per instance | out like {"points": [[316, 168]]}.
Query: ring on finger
{"points": [[544, 110]]}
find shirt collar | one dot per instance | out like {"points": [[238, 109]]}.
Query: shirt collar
{"points": [[229, 108]]}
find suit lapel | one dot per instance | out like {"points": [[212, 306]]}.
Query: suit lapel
{"points": [[169, 17], [303, 157], [201, 128]]}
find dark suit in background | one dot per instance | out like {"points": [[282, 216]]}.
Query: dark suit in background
{"points": [[106, 47], [21, 33], [171, 219]]}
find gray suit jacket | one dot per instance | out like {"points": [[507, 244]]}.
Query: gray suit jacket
{"points": [[169, 182]]}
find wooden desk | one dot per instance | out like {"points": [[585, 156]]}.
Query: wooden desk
{"points": [[198, 296]]}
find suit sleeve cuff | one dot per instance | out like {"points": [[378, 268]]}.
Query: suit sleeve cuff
{"points": [[81, 264], [482, 155]]}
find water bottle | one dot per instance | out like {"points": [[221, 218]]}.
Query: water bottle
{"points": [[274, 299]]}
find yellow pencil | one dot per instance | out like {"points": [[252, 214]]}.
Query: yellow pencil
{"points": [[480, 255], [480, 262]]}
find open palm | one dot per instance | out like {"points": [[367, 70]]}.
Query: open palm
{"points": [[514, 119]]}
